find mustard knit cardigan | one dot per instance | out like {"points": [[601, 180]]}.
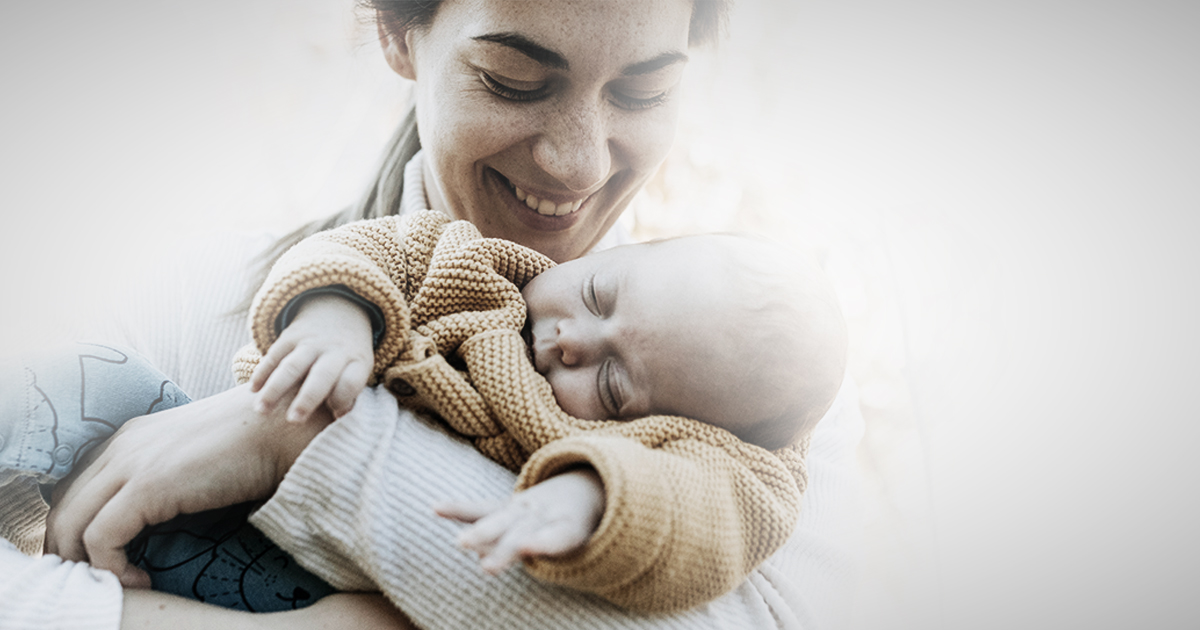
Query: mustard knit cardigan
{"points": [[691, 509]]}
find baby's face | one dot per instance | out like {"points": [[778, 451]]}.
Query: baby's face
{"points": [[638, 330]]}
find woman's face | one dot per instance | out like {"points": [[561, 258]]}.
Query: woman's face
{"points": [[541, 119]]}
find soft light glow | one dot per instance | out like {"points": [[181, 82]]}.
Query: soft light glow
{"points": [[1002, 192]]}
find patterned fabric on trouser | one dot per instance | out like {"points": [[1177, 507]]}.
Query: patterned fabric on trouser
{"points": [[56, 407]]}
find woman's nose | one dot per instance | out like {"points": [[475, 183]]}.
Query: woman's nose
{"points": [[574, 147]]}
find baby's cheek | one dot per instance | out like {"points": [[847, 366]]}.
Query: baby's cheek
{"points": [[576, 393]]}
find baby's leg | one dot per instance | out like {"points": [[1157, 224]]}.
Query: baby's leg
{"points": [[218, 558], [56, 407]]}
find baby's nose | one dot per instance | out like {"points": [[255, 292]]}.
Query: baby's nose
{"points": [[577, 343]]}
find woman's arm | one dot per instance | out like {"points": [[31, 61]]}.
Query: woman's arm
{"points": [[149, 610], [356, 509]]}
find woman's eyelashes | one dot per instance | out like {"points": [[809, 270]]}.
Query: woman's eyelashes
{"points": [[526, 91], [626, 101], [523, 90]]}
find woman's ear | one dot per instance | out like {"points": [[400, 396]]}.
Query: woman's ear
{"points": [[397, 51]]}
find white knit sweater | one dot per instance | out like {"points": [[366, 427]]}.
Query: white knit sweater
{"points": [[355, 507]]}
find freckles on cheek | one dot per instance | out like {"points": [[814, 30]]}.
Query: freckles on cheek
{"points": [[482, 131]]}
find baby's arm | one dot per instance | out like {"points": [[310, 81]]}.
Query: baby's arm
{"points": [[551, 518], [685, 520], [326, 350], [330, 344]]}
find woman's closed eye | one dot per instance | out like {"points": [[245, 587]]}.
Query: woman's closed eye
{"points": [[514, 90], [634, 102]]}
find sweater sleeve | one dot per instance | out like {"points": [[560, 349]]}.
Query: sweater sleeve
{"points": [[365, 257], [48, 592], [685, 521]]}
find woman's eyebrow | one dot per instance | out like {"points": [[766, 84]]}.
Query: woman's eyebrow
{"points": [[655, 64], [551, 59], [528, 47]]}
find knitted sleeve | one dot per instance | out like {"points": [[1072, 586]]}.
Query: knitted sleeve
{"points": [[686, 519], [366, 257]]}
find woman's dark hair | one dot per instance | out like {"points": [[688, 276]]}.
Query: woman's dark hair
{"points": [[708, 16], [382, 198]]}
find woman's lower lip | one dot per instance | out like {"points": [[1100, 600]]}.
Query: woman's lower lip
{"points": [[529, 217]]}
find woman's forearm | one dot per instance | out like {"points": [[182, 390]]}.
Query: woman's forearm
{"points": [[149, 610], [356, 509]]}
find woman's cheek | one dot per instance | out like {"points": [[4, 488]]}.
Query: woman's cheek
{"points": [[647, 136]]}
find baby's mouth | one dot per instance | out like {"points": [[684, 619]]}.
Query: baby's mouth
{"points": [[545, 207], [527, 336]]}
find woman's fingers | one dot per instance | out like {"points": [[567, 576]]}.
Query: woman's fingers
{"points": [[76, 499], [117, 523], [208, 454]]}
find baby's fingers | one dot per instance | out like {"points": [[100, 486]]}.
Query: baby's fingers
{"points": [[320, 381], [467, 511], [269, 361], [348, 387], [505, 553], [490, 520], [552, 540], [285, 377]]}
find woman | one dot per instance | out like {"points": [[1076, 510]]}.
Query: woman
{"points": [[538, 121]]}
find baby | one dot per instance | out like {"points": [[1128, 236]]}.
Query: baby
{"points": [[656, 398], [742, 340]]}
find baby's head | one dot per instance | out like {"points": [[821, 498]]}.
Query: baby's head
{"points": [[729, 330]]}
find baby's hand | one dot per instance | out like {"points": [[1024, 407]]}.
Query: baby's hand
{"points": [[326, 351], [554, 517]]}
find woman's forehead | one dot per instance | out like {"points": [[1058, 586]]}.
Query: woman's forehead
{"points": [[579, 31]]}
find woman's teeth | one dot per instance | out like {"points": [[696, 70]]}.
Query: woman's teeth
{"points": [[545, 206]]}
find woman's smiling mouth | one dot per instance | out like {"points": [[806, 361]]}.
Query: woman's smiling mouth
{"points": [[544, 207]]}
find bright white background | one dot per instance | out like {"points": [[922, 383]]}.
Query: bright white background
{"points": [[1005, 193]]}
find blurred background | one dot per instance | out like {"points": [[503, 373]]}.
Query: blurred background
{"points": [[1002, 192]]}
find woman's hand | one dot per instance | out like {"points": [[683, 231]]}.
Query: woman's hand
{"points": [[326, 351], [208, 454], [554, 517]]}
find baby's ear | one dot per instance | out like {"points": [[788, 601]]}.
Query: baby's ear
{"points": [[397, 49]]}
